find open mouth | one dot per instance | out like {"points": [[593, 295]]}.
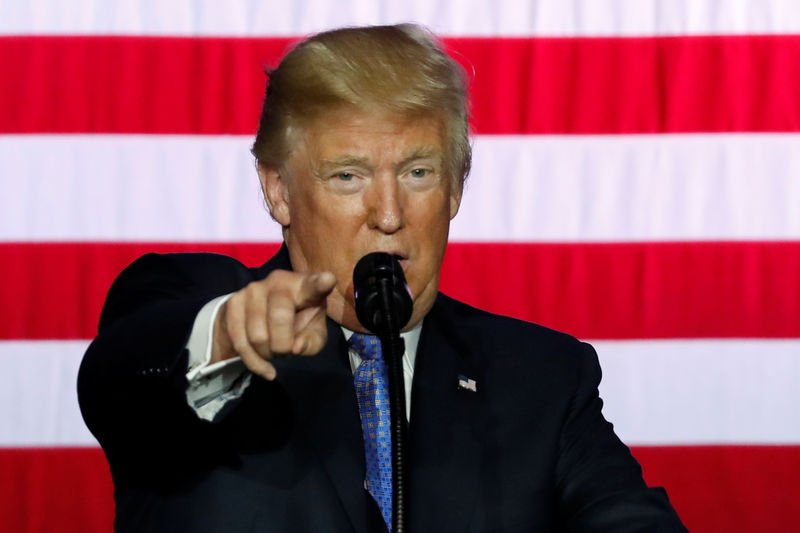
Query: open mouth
{"points": [[402, 260], [399, 257]]}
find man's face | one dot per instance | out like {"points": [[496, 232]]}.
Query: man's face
{"points": [[357, 183]]}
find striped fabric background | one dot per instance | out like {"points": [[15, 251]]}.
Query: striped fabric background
{"points": [[636, 183]]}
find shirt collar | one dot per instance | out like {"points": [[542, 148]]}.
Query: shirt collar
{"points": [[410, 337]]}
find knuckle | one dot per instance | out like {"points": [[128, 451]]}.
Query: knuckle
{"points": [[237, 298], [280, 347], [241, 345], [279, 277], [280, 314], [250, 292], [259, 337]]}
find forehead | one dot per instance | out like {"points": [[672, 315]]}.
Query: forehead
{"points": [[371, 135]]}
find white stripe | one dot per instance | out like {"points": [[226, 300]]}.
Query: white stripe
{"points": [[128, 188], [702, 391], [655, 392], [38, 398], [632, 188], [446, 17], [523, 188]]}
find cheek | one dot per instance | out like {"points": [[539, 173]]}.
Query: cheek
{"points": [[325, 219], [432, 221], [431, 230]]}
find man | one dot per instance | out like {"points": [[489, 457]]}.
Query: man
{"points": [[212, 421]]}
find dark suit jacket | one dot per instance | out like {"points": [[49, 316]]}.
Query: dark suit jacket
{"points": [[529, 451]]}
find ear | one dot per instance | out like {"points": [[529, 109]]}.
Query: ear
{"points": [[276, 194], [456, 190]]}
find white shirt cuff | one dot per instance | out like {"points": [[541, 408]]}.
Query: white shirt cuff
{"points": [[211, 386]]}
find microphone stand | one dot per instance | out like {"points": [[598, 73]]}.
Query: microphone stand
{"points": [[383, 306], [393, 348]]}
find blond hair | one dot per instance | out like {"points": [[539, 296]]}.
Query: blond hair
{"points": [[398, 69]]}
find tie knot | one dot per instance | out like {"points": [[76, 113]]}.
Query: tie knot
{"points": [[367, 346]]}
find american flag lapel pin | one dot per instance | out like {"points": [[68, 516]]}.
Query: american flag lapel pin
{"points": [[465, 383]]}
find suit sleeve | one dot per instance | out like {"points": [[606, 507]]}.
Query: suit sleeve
{"points": [[131, 384], [599, 482]]}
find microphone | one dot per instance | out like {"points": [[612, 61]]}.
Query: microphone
{"points": [[384, 306], [383, 300]]}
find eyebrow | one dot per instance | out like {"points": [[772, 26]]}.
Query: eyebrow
{"points": [[423, 152], [343, 161]]}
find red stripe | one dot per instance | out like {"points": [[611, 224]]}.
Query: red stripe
{"points": [[82, 84], [635, 85], [716, 488], [635, 290], [133, 84], [728, 488], [56, 290], [67, 490], [594, 291]]}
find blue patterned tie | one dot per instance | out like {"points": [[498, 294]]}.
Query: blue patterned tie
{"points": [[372, 390]]}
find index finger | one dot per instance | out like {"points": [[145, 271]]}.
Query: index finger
{"points": [[314, 288]]}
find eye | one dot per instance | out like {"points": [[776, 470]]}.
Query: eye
{"points": [[419, 172], [345, 181]]}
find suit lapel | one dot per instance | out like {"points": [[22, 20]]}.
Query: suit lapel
{"points": [[444, 430], [339, 441], [323, 387]]}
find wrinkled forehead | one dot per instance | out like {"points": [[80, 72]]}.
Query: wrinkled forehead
{"points": [[348, 132], [326, 116]]}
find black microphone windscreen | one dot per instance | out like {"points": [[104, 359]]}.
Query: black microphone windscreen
{"points": [[374, 272]]}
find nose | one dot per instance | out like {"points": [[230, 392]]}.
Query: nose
{"points": [[384, 205]]}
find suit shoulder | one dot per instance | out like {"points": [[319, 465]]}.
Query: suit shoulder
{"points": [[486, 323], [181, 269], [173, 276], [188, 261], [482, 327]]}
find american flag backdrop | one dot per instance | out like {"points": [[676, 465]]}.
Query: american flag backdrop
{"points": [[636, 182]]}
